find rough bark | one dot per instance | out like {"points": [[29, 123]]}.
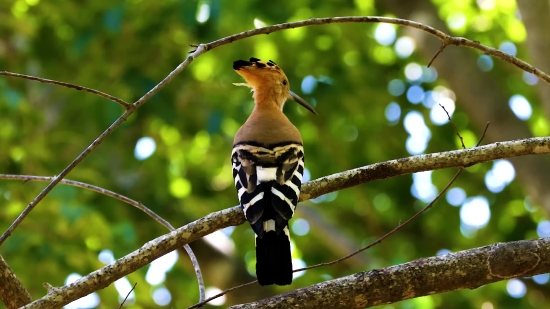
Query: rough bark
{"points": [[160, 246], [467, 269], [12, 292]]}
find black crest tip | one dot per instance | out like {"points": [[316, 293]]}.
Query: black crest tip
{"points": [[240, 63]]}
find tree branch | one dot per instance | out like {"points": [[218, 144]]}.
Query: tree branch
{"points": [[12, 292], [126, 200], [150, 251], [442, 36], [432, 161], [54, 82], [131, 109], [162, 245], [467, 269]]}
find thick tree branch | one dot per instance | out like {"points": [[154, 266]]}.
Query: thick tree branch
{"points": [[150, 251], [234, 216], [432, 161], [467, 269], [12, 292]]}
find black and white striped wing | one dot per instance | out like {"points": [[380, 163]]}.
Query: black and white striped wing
{"points": [[268, 177]]}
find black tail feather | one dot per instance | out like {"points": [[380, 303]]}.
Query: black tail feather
{"points": [[273, 259]]}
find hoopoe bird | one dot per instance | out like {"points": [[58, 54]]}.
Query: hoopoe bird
{"points": [[268, 164]]}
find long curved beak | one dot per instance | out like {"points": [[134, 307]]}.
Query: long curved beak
{"points": [[302, 102]]}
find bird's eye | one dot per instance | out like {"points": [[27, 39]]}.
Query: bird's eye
{"points": [[284, 82]]}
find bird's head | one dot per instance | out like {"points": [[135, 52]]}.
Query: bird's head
{"points": [[268, 81]]}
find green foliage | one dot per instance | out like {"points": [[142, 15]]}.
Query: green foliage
{"points": [[124, 48]]}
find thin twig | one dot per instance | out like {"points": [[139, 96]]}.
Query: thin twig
{"points": [[54, 82], [209, 299], [127, 295], [445, 38], [127, 200], [98, 141], [439, 51], [397, 228], [120, 197], [454, 126]]}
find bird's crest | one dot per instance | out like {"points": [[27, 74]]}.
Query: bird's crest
{"points": [[267, 80]]}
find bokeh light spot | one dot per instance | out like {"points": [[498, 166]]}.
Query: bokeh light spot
{"points": [[543, 228], [300, 227], [392, 112], [516, 288], [485, 63], [413, 71], [145, 147], [396, 87], [541, 279], [508, 47], [530, 79], [415, 94], [162, 297], [203, 13], [475, 212], [456, 196], [520, 106], [384, 34], [404, 46]]}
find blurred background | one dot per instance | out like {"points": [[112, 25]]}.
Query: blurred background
{"points": [[376, 101]]}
